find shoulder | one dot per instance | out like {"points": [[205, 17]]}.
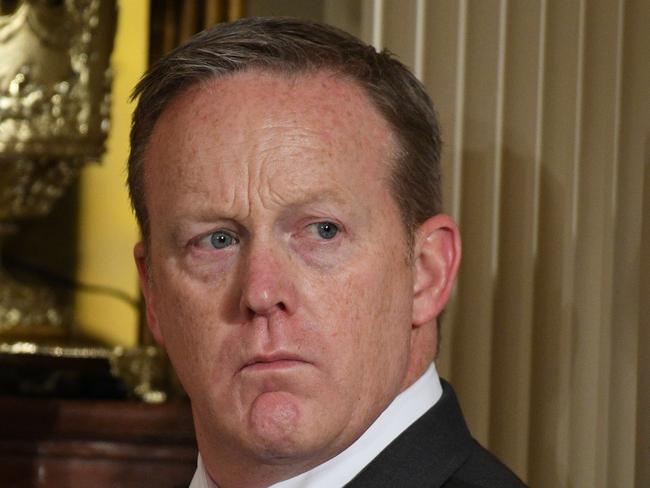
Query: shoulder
{"points": [[481, 469], [437, 451]]}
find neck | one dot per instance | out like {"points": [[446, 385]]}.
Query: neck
{"points": [[424, 343]]}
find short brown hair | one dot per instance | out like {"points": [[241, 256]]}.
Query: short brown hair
{"points": [[294, 46]]}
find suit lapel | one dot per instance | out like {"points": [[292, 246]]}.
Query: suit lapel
{"points": [[425, 454]]}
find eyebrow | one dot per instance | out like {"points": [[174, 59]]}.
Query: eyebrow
{"points": [[320, 197], [208, 213]]}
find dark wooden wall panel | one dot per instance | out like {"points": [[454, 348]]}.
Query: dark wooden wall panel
{"points": [[71, 443]]}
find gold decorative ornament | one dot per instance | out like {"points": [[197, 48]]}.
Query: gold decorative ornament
{"points": [[54, 116], [134, 372]]}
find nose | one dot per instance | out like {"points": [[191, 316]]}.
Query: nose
{"points": [[268, 284]]}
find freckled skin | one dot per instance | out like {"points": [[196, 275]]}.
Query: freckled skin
{"points": [[264, 157]]}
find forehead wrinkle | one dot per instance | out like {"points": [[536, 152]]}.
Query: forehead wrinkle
{"points": [[279, 189], [264, 164], [273, 162]]}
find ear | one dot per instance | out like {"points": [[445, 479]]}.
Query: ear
{"points": [[140, 255], [437, 256]]}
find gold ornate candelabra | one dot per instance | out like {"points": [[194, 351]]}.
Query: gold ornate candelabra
{"points": [[54, 116]]}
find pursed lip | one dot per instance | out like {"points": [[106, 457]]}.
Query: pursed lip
{"points": [[274, 361]]}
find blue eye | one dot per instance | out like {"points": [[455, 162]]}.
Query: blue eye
{"points": [[221, 239], [327, 230]]}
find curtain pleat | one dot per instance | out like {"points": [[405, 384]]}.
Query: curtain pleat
{"points": [[175, 21], [545, 109]]}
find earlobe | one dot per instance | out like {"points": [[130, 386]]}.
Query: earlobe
{"points": [[140, 256], [436, 261]]}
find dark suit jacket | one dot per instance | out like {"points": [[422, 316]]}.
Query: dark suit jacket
{"points": [[437, 451]]}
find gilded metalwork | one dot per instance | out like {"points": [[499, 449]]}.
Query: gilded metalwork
{"points": [[55, 79], [141, 369], [54, 116]]}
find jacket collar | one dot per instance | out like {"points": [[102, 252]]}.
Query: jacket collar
{"points": [[427, 453]]}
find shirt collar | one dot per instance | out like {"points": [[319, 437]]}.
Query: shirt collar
{"points": [[201, 477], [405, 409]]}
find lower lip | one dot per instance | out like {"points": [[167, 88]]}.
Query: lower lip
{"points": [[281, 364]]}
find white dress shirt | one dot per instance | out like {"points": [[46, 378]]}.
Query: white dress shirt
{"points": [[405, 409]]}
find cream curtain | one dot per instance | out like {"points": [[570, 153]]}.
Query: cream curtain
{"points": [[545, 107], [175, 21]]}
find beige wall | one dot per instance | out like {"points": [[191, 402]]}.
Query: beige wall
{"points": [[545, 107]]}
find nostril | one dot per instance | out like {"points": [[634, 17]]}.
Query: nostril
{"points": [[266, 310]]}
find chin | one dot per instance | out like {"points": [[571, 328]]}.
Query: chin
{"points": [[277, 422]]}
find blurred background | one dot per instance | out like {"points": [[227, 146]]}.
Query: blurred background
{"points": [[545, 111]]}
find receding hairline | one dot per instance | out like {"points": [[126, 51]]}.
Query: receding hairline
{"points": [[294, 48], [294, 76]]}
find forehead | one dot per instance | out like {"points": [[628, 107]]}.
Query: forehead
{"points": [[294, 130], [324, 99]]}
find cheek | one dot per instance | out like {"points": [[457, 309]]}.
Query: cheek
{"points": [[368, 310], [187, 318], [367, 344]]}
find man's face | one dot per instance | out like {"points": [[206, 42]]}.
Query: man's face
{"points": [[279, 281]]}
